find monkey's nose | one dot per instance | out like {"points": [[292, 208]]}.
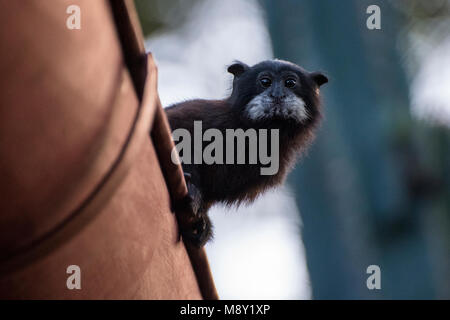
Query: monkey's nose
{"points": [[277, 98]]}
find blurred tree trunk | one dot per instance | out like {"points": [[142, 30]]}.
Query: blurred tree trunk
{"points": [[363, 189]]}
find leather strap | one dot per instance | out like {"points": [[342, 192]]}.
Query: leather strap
{"points": [[173, 174]]}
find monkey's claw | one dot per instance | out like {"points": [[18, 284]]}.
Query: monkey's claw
{"points": [[193, 221], [198, 233]]}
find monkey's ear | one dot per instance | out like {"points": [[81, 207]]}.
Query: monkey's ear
{"points": [[319, 78], [237, 68]]}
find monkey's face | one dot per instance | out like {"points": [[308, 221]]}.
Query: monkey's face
{"points": [[276, 91], [278, 97]]}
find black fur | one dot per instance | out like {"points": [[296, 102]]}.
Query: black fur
{"points": [[236, 183]]}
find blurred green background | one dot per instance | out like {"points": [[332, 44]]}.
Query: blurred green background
{"points": [[375, 186]]}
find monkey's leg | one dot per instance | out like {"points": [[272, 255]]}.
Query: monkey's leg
{"points": [[197, 229]]}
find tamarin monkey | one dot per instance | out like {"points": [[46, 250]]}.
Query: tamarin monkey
{"points": [[272, 94]]}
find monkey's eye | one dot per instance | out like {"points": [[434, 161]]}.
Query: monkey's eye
{"points": [[289, 83], [265, 82]]}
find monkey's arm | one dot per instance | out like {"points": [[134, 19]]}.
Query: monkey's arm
{"points": [[197, 229]]}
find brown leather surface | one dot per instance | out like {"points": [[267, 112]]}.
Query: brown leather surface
{"points": [[130, 251], [56, 108], [132, 40], [177, 188], [71, 133]]}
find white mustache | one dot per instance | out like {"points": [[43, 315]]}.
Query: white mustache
{"points": [[263, 107]]}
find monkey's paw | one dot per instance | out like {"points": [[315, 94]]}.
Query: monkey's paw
{"points": [[199, 232], [195, 226]]}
